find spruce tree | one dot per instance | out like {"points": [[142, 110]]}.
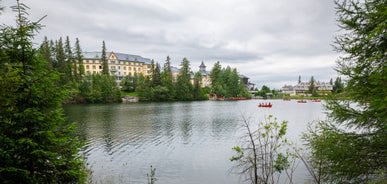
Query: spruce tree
{"points": [[36, 144], [184, 88], [70, 71], [45, 51], [352, 146], [61, 62], [166, 79], [156, 74], [105, 66], [79, 59]]}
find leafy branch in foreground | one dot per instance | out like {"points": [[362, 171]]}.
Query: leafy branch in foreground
{"points": [[265, 155]]}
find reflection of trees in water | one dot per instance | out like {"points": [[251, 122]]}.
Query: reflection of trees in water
{"points": [[108, 123], [186, 129], [78, 115]]}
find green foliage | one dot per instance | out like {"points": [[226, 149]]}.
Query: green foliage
{"points": [[156, 74], [351, 147], [71, 70], [100, 89], [338, 86], [198, 93], [312, 87], [184, 87], [152, 177], [105, 66], [226, 82], [79, 71], [262, 158], [128, 84], [36, 145], [166, 80], [144, 88]]}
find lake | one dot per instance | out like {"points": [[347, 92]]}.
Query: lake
{"points": [[187, 142]]}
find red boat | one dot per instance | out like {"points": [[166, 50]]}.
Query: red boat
{"points": [[287, 99], [317, 100], [238, 98], [267, 105], [301, 101]]}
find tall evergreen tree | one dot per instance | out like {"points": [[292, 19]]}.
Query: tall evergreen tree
{"points": [[338, 85], [352, 148], [166, 79], [45, 51], [61, 62], [70, 71], [198, 93], [216, 81], [312, 87], [79, 59], [183, 85], [105, 66], [36, 145], [156, 75]]}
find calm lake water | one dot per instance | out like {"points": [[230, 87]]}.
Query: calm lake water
{"points": [[187, 142]]}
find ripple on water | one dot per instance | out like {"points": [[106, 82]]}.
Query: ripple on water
{"points": [[185, 142]]}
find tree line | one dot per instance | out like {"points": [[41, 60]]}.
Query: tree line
{"points": [[68, 62], [225, 82], [102, 88]]}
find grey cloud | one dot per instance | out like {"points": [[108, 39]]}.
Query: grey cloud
{"points": [[251, 35]]}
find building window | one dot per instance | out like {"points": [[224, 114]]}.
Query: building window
{"points": [[130, 68], [124, 67], [93, 61], [93, 66], [87, 66]]}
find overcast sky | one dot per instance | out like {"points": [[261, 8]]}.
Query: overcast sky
{"points": [[270, 41]]}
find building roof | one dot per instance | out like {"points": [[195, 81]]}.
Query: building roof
{"points": [[91, 55], [120, 56], [130, 57], [204, 72], [243, 76], [202, 65]]}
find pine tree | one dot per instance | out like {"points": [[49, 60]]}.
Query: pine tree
{"points": [[184, 87], [45, 51], [156, 74], [166, 79], [61, 65], [352, 146], [79, 59], [36, 144], [105, 66], [70, 70]]}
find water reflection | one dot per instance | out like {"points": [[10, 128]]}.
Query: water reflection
{"points": [[108, 123], [187, 142]]}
